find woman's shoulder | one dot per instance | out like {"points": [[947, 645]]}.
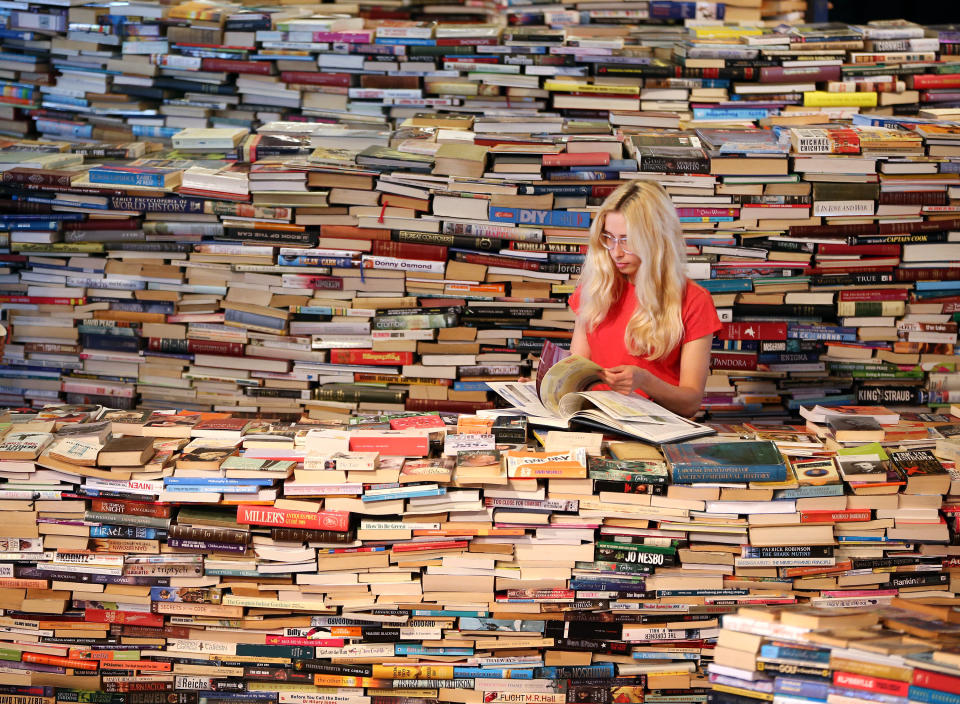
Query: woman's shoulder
{"points": [[694, 293]]}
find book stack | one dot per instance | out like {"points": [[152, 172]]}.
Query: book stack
{"points": [[250, 211], [902, 651], [146, 555]]}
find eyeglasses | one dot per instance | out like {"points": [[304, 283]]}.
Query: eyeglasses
{"points": [[610, 242]]}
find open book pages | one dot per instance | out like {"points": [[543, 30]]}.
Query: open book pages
{"points": [[561, 394]]}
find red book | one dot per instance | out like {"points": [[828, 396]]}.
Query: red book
{"points": [[42, 177], [867, 683], [848, 267], [425, 421], [262, 68], [426, 404], [316, 78], [585, 159], [43, 299], [58, 661], [874, 294], [879, 250], [315, 642], [753, 331], [370, 357], [935, 80], [844, 516], [409, 250], [137, 618], [440, 545], [388, 442], [128, 507], [936, 680], [268, 516]]}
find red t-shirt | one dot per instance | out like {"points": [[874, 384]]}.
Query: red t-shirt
{"points": [[608, 349]]}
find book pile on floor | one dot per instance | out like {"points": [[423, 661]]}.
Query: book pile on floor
{"points": [[183, 557], [905, 651], [270, 210]]}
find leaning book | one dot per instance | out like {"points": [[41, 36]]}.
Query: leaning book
{"points": [[561, 394]]}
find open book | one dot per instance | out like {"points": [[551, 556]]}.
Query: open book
{"points": [[560, 395]]}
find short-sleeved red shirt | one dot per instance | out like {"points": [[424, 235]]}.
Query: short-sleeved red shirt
{"points": [[608, 349]]}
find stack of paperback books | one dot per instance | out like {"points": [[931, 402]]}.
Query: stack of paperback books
{"points": [[902, 652], [156, 557], [256, 210]]}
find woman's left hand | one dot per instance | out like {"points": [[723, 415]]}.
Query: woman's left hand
{"points": [[625, 378]]}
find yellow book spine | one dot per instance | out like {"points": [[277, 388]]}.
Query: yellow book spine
{"points": [[825, 99], [573, 87]]}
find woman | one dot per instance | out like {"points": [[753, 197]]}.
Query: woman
{"points": [[638, 315]]}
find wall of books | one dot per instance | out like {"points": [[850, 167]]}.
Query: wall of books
{"points": [[385, 207], [261, 269]]}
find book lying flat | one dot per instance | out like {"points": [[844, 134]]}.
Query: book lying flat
{"points": [[562, 394]]}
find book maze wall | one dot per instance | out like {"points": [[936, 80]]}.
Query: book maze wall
{"points": [[347, 220]]}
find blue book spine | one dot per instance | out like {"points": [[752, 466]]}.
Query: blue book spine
{"points": [[665, 656], [781, 651], [932, 696], [32, 225], [154, 131], [127, 178], [540, 218], [726, 285], [674, 10], [731, 113], [195, 487], [136, 532], [410, 649], [45, 217], [470, 386], [448, 612], [67, 129], [800, 687], [936, 285], [246, 318], [869, 696], [493, 672], [405, 41]]}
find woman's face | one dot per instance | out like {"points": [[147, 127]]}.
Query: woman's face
{"points": [[615, 226]]}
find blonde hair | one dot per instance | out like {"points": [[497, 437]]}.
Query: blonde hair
{"points": [[654, 235]]}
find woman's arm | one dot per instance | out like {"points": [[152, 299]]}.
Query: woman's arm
{"points": [[579, 344], [683, 399]]}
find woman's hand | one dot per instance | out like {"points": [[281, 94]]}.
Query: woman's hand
{"points": [[625, 378]]}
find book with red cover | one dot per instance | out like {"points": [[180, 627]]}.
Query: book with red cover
{"points": [[868, 683], [936, 680], [409, 250], [753, 331], [585, 159], [317, 78], [263, 68], [424, 421], [252, 514], [844, 516], [874, 294], [370, 357], [388, 442]]}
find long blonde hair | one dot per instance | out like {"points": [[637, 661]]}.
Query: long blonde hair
{"points": [[654, 235]]}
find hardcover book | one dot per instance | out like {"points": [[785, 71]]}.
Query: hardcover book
{"points": [[718, 460]]}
